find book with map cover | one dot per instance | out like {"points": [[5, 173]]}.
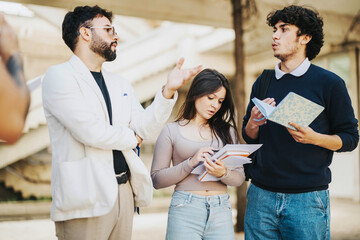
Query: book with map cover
{"points": [[293, 108]]}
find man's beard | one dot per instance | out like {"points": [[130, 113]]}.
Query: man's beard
{"points": [[286, 56], [282, 58], [101, 48], [290, 53]]}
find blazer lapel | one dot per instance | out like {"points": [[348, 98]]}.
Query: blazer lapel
{"points": [[84, 74]]}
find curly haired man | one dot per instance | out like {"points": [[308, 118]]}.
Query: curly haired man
{"points": [[288, 197]]}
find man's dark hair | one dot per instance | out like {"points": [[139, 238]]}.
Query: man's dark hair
{"points": [[80, 17], [308, 21]]}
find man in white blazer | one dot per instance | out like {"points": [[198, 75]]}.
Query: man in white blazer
{"points": [[93, 116]]}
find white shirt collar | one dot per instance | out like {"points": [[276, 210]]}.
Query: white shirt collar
{"points": [[299, 71]]}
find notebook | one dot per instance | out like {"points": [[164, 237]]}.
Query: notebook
{"points": [[293, 108]]}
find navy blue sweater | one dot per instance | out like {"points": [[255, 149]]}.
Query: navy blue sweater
{"points": [[282, 164]]}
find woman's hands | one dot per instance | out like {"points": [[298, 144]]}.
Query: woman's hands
{"points": [[200, 155], [217, 168]]}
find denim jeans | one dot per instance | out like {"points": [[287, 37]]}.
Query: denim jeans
{"points": [[195, 217], [271, 215]]}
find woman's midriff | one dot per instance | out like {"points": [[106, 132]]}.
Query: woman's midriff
{"points": [[207, 192]]}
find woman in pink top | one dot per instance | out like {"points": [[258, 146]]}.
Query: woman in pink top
{"points": [[199, 210]]}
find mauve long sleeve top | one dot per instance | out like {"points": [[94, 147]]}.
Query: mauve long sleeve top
{"points": [[172, 148]]}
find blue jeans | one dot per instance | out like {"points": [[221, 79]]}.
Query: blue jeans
{"points": [[271, 215], [193, 217]]}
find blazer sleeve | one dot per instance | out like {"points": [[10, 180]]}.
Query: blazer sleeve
{"points": [[148, 122], [63, 100]]}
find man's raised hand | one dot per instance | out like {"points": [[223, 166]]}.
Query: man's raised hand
{"points": [[179, 77]]}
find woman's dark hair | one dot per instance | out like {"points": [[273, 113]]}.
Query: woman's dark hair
{"points": [[308, 21], [80, 17], [207, 82]]}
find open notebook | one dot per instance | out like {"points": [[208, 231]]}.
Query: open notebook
{"points": [[293, 108]]}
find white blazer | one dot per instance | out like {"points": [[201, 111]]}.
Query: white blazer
{"points": [[82, 139]]}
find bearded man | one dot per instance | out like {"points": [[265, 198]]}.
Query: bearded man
{"points": [[93, 115]]}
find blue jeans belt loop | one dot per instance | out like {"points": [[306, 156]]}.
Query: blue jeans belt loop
{"points": [[188, 200]]}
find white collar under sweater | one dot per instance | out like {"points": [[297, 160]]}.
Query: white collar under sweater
{"points": [[299, 71]]}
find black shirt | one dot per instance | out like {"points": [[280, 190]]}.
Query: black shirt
{"points": [[120, 164]]}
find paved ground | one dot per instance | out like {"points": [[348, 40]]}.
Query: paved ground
{"points": [[151, 224]]}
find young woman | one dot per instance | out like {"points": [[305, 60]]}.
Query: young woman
{"points": [[199, 210]]}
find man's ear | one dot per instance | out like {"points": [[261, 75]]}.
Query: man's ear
{"points": [[84, 33], [305, 39]]}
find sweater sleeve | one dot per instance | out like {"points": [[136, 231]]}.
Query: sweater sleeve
{"points": [[342, 119], [161, 173]]}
